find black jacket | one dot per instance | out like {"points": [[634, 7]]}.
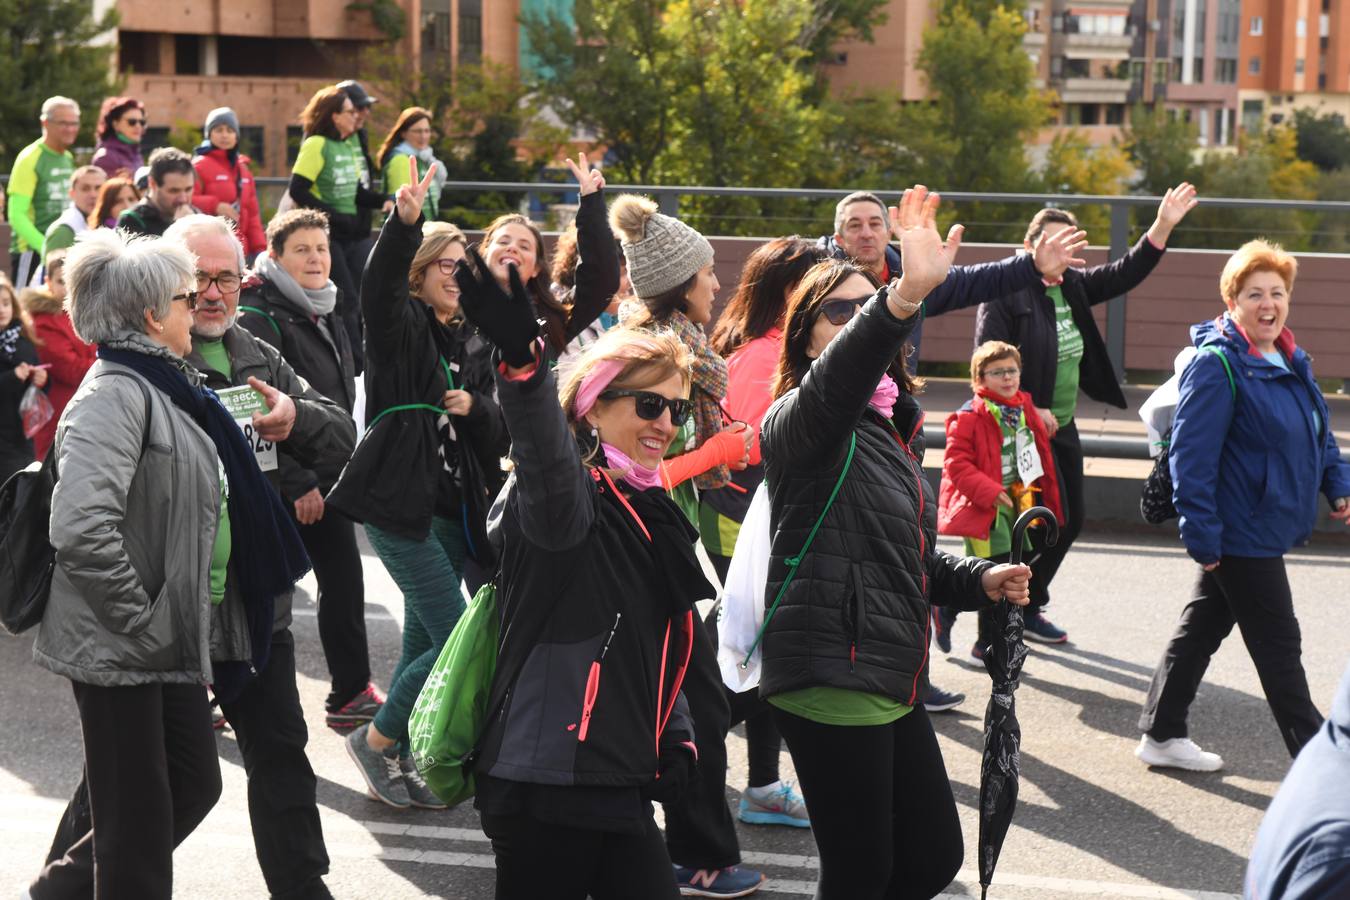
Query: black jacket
{"points": [[596, 280], [856, 614], [144, 218], [13, 444], [321, 356], [578, 572], [1027, 321], [965, 285], [392, 477]]}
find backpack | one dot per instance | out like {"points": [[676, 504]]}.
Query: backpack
{"points": [[27, 559], [1155, 499]]}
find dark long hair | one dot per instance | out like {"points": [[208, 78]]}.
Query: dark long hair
{"points": [[554, 312], [406, 119], [107, 198], [317, 116], [803, 309], [770, 272], [113, 109]]}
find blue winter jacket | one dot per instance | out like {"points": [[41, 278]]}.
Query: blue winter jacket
{"points": [[1302, 849], [1246, 471]]}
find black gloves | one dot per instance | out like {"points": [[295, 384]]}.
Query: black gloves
{"points": [[676, 768], [506, 320]]}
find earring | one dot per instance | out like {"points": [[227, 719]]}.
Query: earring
{"points": [[159, 326]]}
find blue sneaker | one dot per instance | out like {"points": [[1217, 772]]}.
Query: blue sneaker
{"points": [[735, 881], [1038, 628], [773, 804], [939, 700], [943, 620]]}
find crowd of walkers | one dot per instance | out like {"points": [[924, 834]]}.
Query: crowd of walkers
{"points": [[584, 433]]}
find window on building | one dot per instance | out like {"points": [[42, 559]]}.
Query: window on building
{"points": [[1322, 81], [1301, 28], [1298, 67], [1077, 68], [1324, 25], [1254, 66], [154, 137], [294, 135], [1225, 71], [1160, 69], [1257, 26], [1057, 23], [436, 28], [1198, 69], [187, 53], [1137, 69], [470, 31], [1252, 110], [251, 144], [1056, 66], [1115, 113]]}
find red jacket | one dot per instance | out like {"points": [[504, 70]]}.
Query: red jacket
{"points": [[69, 357], [221, 181], [972, 468]]}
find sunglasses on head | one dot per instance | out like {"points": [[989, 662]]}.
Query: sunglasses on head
{"points": [[648, 405], [839, 311]]}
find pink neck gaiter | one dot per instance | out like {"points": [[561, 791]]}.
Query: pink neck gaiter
{"points": [[637, 475]]}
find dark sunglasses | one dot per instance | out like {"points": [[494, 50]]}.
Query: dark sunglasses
{"points": [[838, 312], [648, 405], [189, 297], [134, 123]]}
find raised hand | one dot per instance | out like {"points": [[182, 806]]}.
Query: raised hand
{"points": [[591, 180], [507, 320], [1175, 204], [1055, 253], [408, 201], [924, 256]]}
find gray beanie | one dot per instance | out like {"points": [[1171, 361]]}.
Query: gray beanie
{"points": [[662, 253], [222, 115]]}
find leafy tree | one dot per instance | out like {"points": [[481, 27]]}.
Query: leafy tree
{"points": [[1074, 166], [50, 47], [1323, 141], [1162, 147]]}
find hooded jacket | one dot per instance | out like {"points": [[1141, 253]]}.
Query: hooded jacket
{"points": [[68, 356], [972, 467], [223, 176], [114, 155], [856, 615], [1246, 470], [965, 286]]}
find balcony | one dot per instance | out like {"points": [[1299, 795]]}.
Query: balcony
{"points": [[1097, 46], [1034, 40], [1094, 90]]}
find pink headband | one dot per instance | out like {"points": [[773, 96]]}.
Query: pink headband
{"points": [[600, 376]]}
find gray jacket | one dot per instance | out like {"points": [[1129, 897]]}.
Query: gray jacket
{"points": [[133, 531]]}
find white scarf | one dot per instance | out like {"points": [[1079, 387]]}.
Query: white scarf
{"points": [[313, 302]]}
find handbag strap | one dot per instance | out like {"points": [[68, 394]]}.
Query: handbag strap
{"points": [[1223, 358], [794, 561]]}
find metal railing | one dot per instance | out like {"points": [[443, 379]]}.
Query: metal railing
{"points": [[1093, 445]]}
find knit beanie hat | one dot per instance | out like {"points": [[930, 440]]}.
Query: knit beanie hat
{"points": [[662, 253], [222, 115]]}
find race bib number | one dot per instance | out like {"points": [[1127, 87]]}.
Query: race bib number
{"points": [[242, 402], [1028, 460]]}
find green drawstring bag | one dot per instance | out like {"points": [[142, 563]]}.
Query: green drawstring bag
{"points": [[451, 711]]}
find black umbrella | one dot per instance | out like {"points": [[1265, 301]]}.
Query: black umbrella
{"points": [[1002, 735]]}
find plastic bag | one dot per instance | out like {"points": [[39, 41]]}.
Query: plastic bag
{"points": [[743, 597], [35, 409], [1161, 406]]}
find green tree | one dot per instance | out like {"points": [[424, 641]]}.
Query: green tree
{"points": [[50, 47], [1162, 147], [1323, 141], [1074, 166]]}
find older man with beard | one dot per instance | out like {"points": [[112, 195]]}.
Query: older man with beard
{"points": [[267, 719]]}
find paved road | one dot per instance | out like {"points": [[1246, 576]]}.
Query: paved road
{"points": [[1091, 822]]}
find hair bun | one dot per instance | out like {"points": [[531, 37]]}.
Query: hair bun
{"points": [[629, 214]]}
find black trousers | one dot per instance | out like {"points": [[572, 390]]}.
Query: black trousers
{"points": [[150, 777], [349, 257], [1067, 450], [882, 810], [332, 548], [536, 859], [1254, 594]]}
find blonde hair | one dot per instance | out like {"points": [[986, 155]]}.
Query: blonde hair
{"points": [[1256, 256], [436, 236], [991, 351]]}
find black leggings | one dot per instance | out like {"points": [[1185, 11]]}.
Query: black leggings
{"points": [[882, 810], [1067, 450]]}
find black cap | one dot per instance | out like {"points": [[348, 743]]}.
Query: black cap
{"points": [[356, 93]]}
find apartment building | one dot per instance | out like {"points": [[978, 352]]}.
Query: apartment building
{"points": [[1185, 57], [1293, 54]]}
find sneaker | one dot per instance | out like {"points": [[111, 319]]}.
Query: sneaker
{"points": [[218, 720], [419, 794], [773, 804], [1178, 753], [1038, 628], [356, 711], [939, 700], [384, 778], [976, 658], [734, 881], [943, 620]]}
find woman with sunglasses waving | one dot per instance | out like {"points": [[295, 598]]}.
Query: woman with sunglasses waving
{"points": [[418, 479], [845, 648], [596, 590]]}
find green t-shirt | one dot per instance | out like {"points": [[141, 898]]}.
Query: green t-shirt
{"points": [[42, 175], [220, 550], [335, 167], [1000, 532], [1065, 398], [684, 494], [396, 175], [214, 354], [840, 706]]}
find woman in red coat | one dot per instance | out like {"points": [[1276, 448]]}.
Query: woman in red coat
{"points": [[58, 346], [225, 186], [985, 472]]}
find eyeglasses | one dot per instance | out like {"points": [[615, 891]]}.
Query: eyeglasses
{"points": [[649, 405], [134, 123], [227, 282], [1002, 373], [189, 297], [447, 267], [838, 312]]}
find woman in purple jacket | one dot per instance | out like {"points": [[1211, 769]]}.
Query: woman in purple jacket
{"points": [[121, 125]]}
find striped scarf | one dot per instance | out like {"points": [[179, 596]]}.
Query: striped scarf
{"points": [[709, 373]]}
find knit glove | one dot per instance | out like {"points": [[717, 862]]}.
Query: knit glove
{"points": [[676, 768], [726, 448], [507, 320]]}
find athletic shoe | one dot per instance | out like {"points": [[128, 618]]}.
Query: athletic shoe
{"points": [[218, 721], [939, 700], [1038, 628], [1178, 753], [976, 658], [773, 804], [419, 793], [356, 711], [381, 771], [943, 620], [734, 881]]}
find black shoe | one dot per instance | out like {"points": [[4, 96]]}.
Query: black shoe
{"points": [[939, 700]]}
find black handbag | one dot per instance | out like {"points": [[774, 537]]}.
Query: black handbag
{"points": [[1155, 500], [26, 557]]}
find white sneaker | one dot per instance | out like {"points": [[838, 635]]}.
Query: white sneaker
{"points": [[1178, 753]]}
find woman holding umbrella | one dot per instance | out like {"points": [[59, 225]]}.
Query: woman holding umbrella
{"points": [[846, 637]]}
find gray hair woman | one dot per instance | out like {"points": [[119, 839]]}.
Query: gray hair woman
{"points": [[143, 522]]}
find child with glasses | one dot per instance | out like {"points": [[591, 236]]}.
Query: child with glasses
{"points": [[997, 463]]}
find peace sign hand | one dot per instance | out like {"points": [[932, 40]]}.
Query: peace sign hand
{"points": [[924, 256], [591, 180], [507, 320], [408, 201]]}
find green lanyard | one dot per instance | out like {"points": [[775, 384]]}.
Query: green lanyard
{"points": [[438, 410]]}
